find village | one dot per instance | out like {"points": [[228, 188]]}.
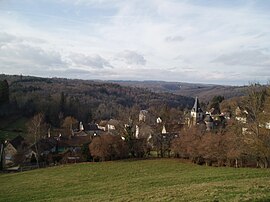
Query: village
{"points": [[148, 136]]}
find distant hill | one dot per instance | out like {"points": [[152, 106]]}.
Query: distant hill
{"points": [[84, 99], [98, 90], [204, 91]]}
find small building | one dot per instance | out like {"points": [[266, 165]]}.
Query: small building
{"points": [[159, 120], [143, 115], [102, 125], [11, 149], [110, 125], [209, 122], [241, 115], [93, 129]]}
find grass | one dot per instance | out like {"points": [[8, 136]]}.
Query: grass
{"points": [[142, 180]]}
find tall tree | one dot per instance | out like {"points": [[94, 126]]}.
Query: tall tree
{"points": [[69, 123], [215, 102], [2, 146], [257, 136], [4, 92], [62, 102], [36, 129]]}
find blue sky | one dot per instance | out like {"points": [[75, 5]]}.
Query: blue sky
{"points": [[202, 41]]}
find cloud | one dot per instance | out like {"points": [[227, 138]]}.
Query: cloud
{"points": [[131, 57], [66, 35], [245, 58], [23, 54], [31, 54], [6, 38], [174, 39], [92, 61]]}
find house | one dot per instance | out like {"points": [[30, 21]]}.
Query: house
{"points": [[143, 115], [159, 120], [80, 133], [61, 149], [81, 128], [11, 149], [75, 143], [9, 152], [110, 125], [209, 122], [143, 130], [172, 128], [241, 115], [102, 125], [91, 127], [267, 125], [213, 112], [164, 131], [227, 115], [45, 146]]}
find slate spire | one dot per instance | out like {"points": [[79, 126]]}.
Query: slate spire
{"points": [[196, 108]]}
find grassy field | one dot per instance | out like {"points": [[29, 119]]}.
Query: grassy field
{"points": [[141, 180]]}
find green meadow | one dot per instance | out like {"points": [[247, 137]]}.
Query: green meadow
{"points": [[137, 180]]}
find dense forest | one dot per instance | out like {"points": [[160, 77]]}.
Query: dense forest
{"points": [[88, 101], [205, 92]]}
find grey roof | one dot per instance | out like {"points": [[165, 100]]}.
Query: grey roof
{"points": [[196, 108], [113, 122], [17, 141], [208, 118], [144, 112], [91, 127]]}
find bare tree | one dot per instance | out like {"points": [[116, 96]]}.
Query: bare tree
{"points": [[36, 128], [68, 124], [108, 147], [257, 136], [187, 145]]}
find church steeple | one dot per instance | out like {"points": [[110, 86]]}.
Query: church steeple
{"points": [[196, 108], [196, 112]]}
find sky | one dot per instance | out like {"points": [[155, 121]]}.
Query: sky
{"points": [[196, 41]]}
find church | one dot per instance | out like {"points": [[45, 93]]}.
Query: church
{"points": [[197, 114]]}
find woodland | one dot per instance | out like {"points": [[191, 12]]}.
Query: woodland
{"points": [[88, 101]]}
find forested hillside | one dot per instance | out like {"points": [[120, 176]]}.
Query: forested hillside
{"points": [[85, 100], [204, 92]]}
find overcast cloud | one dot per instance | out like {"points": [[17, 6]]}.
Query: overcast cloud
{"points": [[131, 57], [223, 42]]}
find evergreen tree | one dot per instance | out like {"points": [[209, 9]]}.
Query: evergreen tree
{"points": [[62, 102], [4, 92]]}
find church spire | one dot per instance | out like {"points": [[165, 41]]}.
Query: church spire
{"points": [[196, 108]]}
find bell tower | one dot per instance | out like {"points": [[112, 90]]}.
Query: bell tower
{"points": [[196, 113]]}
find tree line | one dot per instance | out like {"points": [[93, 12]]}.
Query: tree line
{"points": [[88, 101], [243, 142]]}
